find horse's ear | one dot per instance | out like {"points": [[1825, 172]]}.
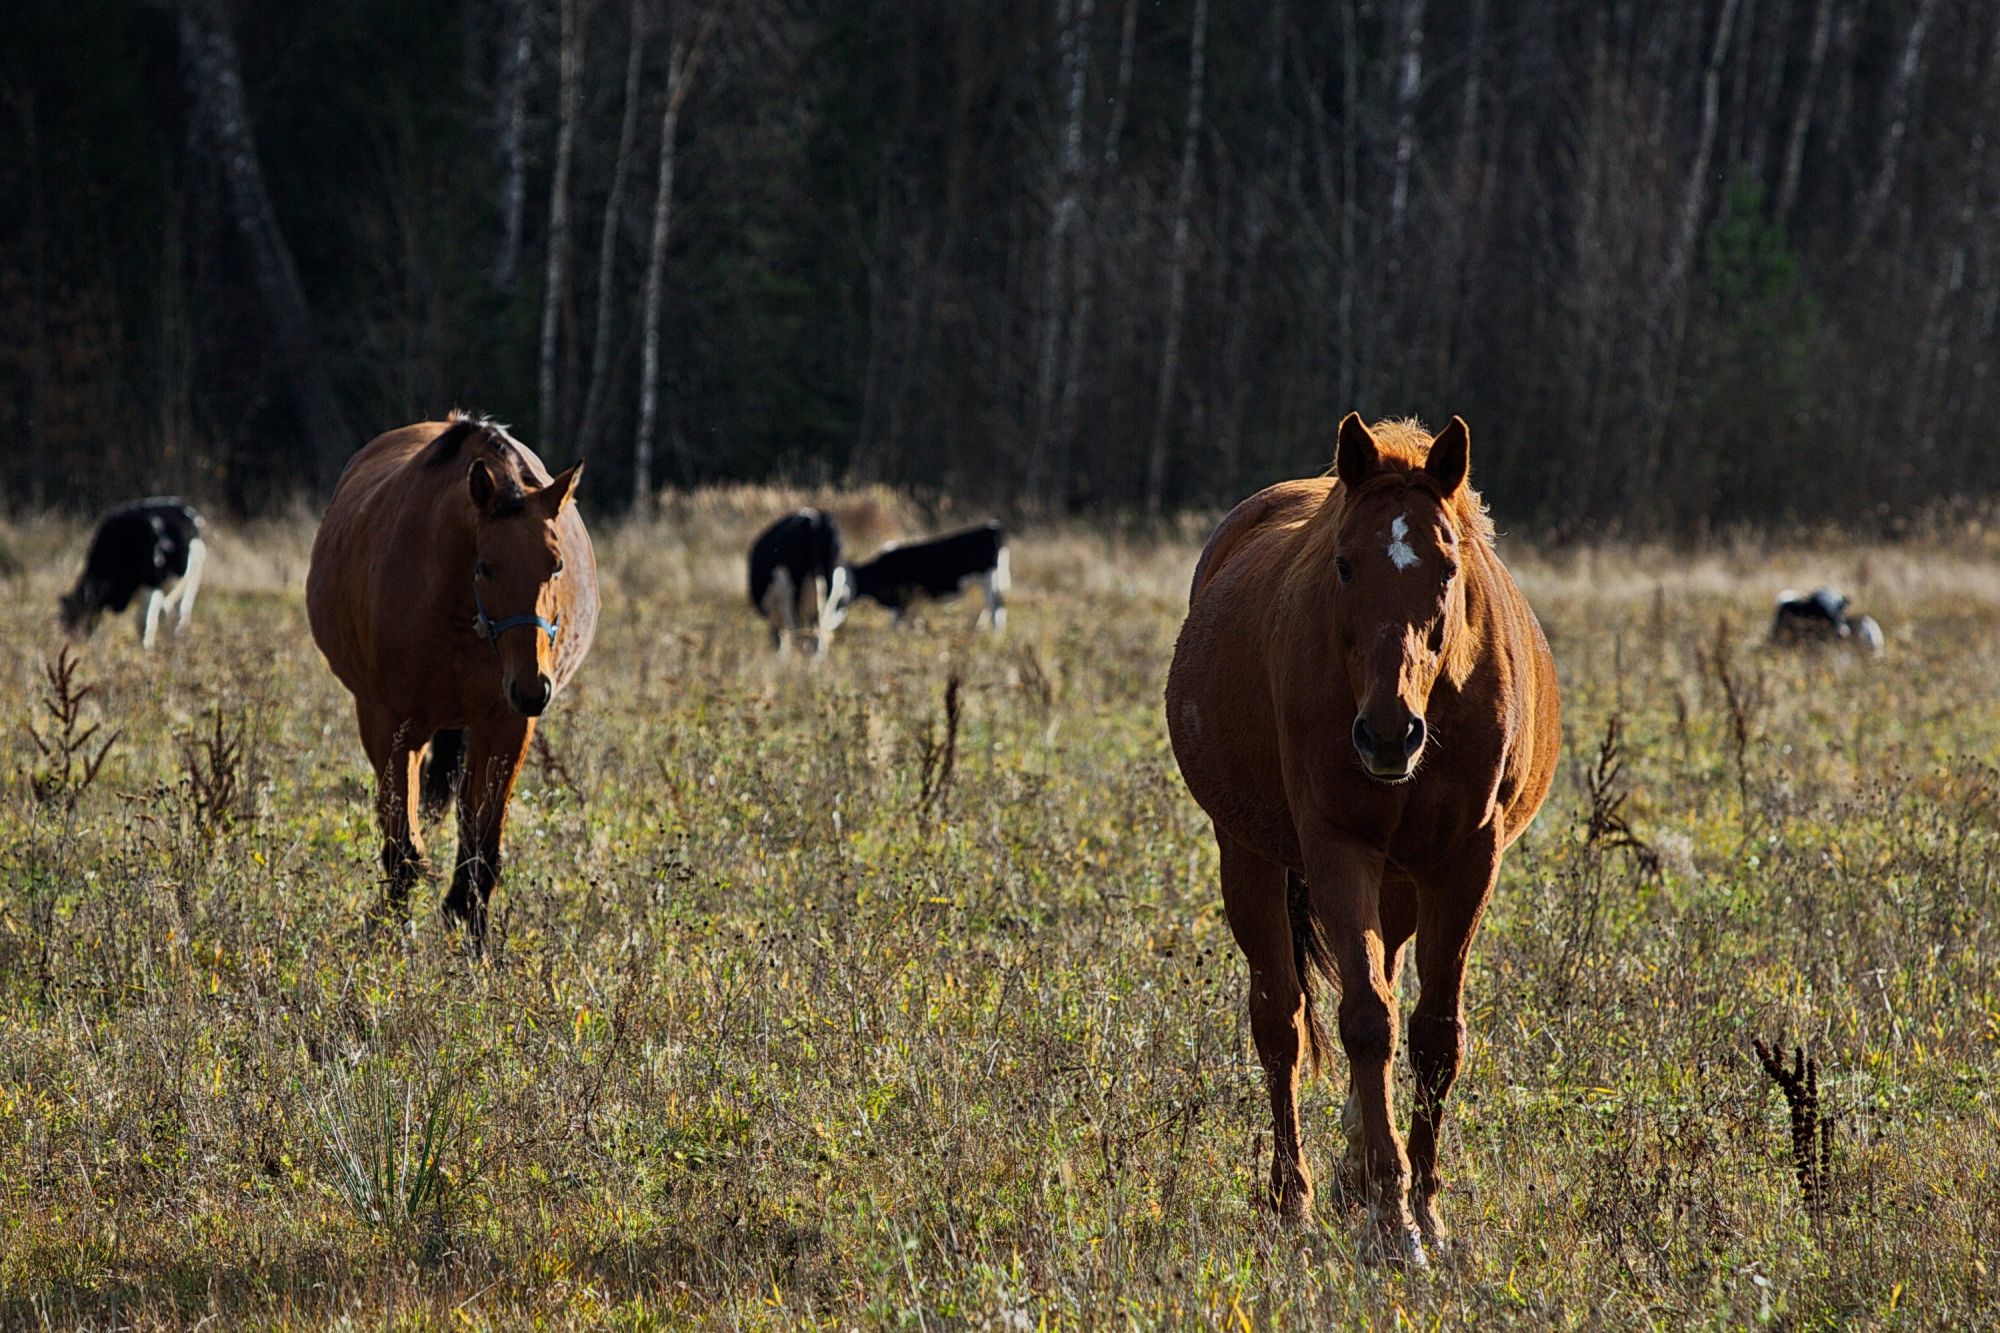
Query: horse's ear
{"points": [[1354, 453], [481, 484], [563, 489], [1450, 457]]}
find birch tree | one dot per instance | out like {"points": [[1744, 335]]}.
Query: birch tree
{"points": [[1795, 137], [1073, 21], [1895, 125], [215, 88], [555, 272], [680, 78], [512, 117], [1409, 82], [1170, 351], [607, 239]]}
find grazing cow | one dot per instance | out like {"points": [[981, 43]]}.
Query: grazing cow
{"points": [[792, 566], [1820, 617], [146, 548], [1363, 703], [904, 573]]}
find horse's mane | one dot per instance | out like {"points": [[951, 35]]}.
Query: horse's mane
{"points": [[1403, 444], [489, 440]]}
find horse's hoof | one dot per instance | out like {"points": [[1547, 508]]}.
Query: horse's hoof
{"points": [[1293, 1209], [1350, 1185], [1400, 1248], [1437, 1237], [386, 917]]}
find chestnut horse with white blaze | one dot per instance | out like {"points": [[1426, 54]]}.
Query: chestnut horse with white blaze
{"points": [[453, 590], [1363, 703]]}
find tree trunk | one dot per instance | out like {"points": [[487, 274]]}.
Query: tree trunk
{"points": [[1073, 18], [1170, 352], [1350, 183], [680, 77], [513, 131], [1670, 314], [1475, 66], [215, 87], [1115, 130], [1694, 195], [607, 239], [39, 467], [1740, 80], [1795, 140], [1083, 261], [1409, 82], [1876, 202], [555, 272]]}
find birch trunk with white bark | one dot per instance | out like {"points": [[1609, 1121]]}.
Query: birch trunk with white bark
{"points": [[1170, 352], [1073, 19], [680, 76], [607, 238], [555, 271]]}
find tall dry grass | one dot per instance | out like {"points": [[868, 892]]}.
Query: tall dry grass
{"points": [[784, 1028]]}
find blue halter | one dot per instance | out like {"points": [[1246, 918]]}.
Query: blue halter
{"points": [[490, 629]]}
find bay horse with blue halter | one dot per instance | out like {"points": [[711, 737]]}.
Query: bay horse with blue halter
{"points": [[1363, 703], [453, 591]]}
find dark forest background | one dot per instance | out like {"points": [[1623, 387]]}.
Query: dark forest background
{"points": [[1679, 263]]}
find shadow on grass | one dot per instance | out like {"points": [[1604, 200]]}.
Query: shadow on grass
{"points": [[329, 1281]]}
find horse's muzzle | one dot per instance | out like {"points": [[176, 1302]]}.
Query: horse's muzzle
{"points": [[1389, 758], [532, 699]]}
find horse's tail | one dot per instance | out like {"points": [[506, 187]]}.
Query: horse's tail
{"points": [[1309, 956], [444, 769]]}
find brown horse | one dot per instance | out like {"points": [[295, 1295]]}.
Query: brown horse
{"points": [[452, 587], [1365, 706]]}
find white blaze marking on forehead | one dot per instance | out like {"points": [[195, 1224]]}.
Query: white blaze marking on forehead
{"points": [[1400, 554]]}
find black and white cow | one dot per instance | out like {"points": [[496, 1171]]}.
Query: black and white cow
{"points": [[792, 568], [1820, 616], [150, 550], [904, 573]]}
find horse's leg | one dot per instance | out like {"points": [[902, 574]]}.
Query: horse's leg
{"points": [[1450, 906], [1345, 879], [1399, 919], [494, 749], [1253, 898], [395, 754]]}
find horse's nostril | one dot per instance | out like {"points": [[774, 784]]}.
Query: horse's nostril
{"points": [[1414, 740], [532, 700], [1364, 739]]}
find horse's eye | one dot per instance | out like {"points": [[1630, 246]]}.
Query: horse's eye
{"points": [[1346, 570], [1450, 570], [483, 570], [559, 569]]}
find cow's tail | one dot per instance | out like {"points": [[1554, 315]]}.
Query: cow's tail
{"points": [[1309, 957], [444, 770]]}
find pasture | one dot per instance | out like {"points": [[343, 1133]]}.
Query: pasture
{"points": [[834, 994]]}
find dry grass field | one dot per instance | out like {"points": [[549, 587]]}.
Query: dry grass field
{"points": [[811, 1009]]}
